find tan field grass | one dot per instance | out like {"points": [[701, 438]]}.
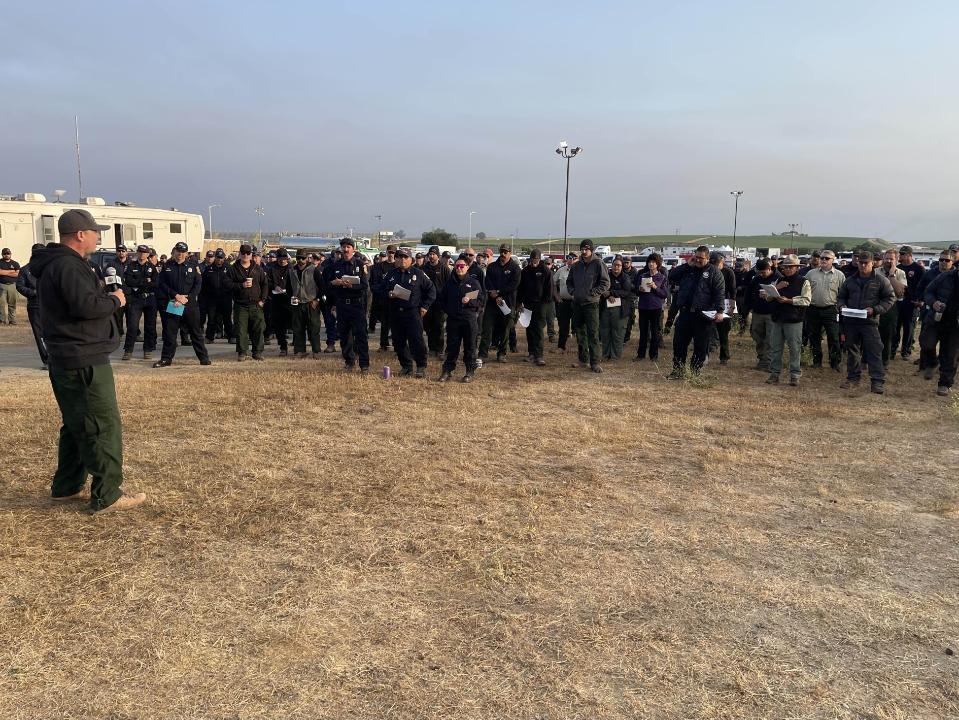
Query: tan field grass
{"points": [[544, 543]]}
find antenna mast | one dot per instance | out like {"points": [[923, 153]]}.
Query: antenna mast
{"points": [[76, 122]]}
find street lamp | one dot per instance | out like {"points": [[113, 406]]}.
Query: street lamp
{"points": [[259, 220], [564, 150], [379, 229], [469, 236], [209, 209], [736, 194]]}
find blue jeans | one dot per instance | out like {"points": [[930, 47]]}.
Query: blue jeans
{"points": [[780, 336]]}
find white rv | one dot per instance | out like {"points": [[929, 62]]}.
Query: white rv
{"points": [[28, 219]]}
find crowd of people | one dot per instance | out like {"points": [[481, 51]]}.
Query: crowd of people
{"points": [[467, 308]]}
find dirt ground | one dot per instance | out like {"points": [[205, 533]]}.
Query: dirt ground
{"points": [[545, 543]]}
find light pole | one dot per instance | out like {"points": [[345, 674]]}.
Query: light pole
{"points": [[564, 150], [379, 228], [469, 236], [209, 209], [736, 194], [259, 219]]}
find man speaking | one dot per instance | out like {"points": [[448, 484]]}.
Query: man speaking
{"points": [[80, 331]]}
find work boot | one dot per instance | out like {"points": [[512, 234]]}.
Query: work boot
{"points": [[365, 370], [420, 373], [501, 357], [161, 363], [147, 355], [772, 379], [81, 494], [942, 391], [847, 383], [257, 356], [877, 388], [406, 372], [206, 361], [330, 348], [540, 362], [125, 502], [127, 355], [468, 377], [794, 381], [242, 357], [283, 353], [596, 369], [928, 372], [444, 377]]}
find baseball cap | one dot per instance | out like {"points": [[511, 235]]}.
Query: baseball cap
{"points": [[535, 253], [302, 254], [121, 248], [435, 249], [403, 252], [391, 248], [347, 241], [143, 248], [504, 248], [74, 221], [219, 253], [246, 249], [282, 253], [181, 247], [571, 256], [210, 253]]}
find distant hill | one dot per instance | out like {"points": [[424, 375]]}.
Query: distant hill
{"points": [[802, 242]]}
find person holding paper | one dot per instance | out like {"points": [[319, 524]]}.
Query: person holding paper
{"points": [[281, 311], [701, 289], [613, 311], [587, 282], [411, 294], [461, 297], [720, 330], [502, 282], [825, 282], [177, 293], [760, 309], [787, 314], [872, 294], [651, 292], [306, 289], [438, 271], [347, 279], [534, 292]]}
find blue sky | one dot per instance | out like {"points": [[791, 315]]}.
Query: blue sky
{"points": [[839, 116]]}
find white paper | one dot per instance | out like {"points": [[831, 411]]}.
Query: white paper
{"points": [[525, 317], [646, 284], [351, 279], [612, 302], [279, 291], [503, 307], [472, 295], [730, 307], [400, 292], [770, 290], [853, 312], [711, 314]]}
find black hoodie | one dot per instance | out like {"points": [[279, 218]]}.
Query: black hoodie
{"points": [[76, 313]]}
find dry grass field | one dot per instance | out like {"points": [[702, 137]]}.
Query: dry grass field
{"points": [[544, 543]]}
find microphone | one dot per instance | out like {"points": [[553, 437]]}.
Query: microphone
{"points": [[111, 279]]}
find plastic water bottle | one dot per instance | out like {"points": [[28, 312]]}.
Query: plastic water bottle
{"points": [[386, 372]]}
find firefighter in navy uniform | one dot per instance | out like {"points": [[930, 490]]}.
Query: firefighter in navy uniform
{"points": [[119, 264], [278, 278], [438, 270], [350, 303], [406, 314], [217, 290], [179, 284], [140, 286], [203, 299], [462, 313]]}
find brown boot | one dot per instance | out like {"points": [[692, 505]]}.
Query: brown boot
{"points": [[126, 501], [83, 494]]}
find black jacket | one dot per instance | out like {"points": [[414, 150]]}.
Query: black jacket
{"points": [[336, 270], [27, 286], [422, 291], [76, 314], [451, 295], [861, 293], [787, 312], [534, 285], [504, 279], [178, 279], [216, 283], [622, 288], [699, 288], [248, 295], [438, 274], [752, 301], [914, 273], [379, 271], [944, 288], [140, 280], [278, 278]]}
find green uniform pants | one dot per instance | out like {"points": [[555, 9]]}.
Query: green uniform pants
{"points": [[549, 315], [306, 325], [586, 323], [612, 330], [249, 324], [534, 333], [888, 327], [91, 438]]}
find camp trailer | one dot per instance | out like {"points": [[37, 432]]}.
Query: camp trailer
{"points": [[28, 219]]}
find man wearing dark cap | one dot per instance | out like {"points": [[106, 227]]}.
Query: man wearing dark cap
{"points": [[462, 297], [587, 282], [27, 286], [9, 269], [306, 289], [217, 292], [533, 293], [140, 280], [410, 295], [942, 299], [380, 306], [203, 299], [177, 294], [701, 290], [348, 281], [250, 289], [502, 281], [871, 294], [80, 333], [929, 333], [438, 271], [910, 302]]}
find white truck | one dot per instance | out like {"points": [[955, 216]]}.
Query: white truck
{"points": [[28, 219]]}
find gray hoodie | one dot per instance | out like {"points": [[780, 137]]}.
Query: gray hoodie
{"points": [[587, 281]]}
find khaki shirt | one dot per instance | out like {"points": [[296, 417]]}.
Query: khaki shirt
{"points": [[825, 286], [900, 276]]}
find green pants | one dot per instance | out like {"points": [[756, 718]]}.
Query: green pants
{"points": [[249, 325], [612, 330], [888, 328], [306, 324], [534, 333], [91, 438], [8, 303], [549, 315], [586, 322]]}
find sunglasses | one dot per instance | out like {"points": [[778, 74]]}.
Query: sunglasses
{"points": [[249, 253], [461, 265]]}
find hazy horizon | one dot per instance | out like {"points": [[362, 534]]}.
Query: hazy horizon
{"points": [[835, 117]]}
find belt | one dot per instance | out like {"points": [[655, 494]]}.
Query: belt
{"points": [[825, 307], [350, 301]]}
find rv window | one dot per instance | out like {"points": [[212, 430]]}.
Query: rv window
{"points": [[147, 231], [176, 227]]}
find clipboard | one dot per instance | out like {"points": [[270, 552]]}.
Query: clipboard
{"points": [[173, 309]]}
